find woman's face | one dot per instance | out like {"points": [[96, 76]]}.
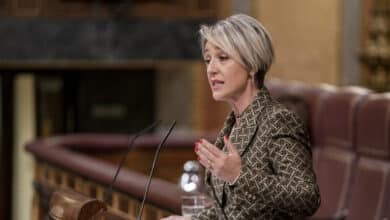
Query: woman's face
{"points": [[228, 79]]}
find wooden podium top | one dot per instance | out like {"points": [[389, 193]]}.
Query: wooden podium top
{"points": [[71, 205]]}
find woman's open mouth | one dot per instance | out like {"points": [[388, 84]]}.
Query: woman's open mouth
{"points": [[216, 84]]}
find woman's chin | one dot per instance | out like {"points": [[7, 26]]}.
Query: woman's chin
{"points": [[218, 96]]}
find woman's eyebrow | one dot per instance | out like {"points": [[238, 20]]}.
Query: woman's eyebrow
{"points": [[220, 50]]}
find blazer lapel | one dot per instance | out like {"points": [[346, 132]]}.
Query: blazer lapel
{"points": [[242, 135], [227, 127], [218, 184]]}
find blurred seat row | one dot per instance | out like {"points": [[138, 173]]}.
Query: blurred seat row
{"points": [[350, 132]]}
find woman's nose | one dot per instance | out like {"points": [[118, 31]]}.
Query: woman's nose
{"points": [[211, 68]]}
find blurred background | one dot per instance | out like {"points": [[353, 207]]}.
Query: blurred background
{"points": [[115, 66]]}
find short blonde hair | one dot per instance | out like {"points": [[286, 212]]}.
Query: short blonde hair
{"points": [[244, 39]]}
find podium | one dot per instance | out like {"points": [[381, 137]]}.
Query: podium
{"points": [[70, 162], [70, 205]]}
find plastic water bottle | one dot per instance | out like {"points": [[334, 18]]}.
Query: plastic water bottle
{"points": [[191, 184]]}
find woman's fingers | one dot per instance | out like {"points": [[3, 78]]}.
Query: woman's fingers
{"points": [[204, 159], [209, 155], [211, 148], [205, 151], [226, 166]]}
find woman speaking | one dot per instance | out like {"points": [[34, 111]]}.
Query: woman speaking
{"points": [[260, 166]]}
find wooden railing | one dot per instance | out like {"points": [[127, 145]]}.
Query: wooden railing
{"points": [[72, 162]]}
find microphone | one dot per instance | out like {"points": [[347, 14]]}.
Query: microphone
{"points": [[152, 170], [129, 146]]}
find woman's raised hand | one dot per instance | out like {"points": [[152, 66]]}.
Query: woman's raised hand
{"points": [[224, 165]]}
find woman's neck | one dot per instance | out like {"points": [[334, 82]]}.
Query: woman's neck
{"points": [[243, 101]]}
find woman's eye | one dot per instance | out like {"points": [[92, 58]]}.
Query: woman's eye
{"points": [[207, 61], [223, 57]]}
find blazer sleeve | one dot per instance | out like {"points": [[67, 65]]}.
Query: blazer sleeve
{"points": [[205, 214], [210, 212], [291, 188]]}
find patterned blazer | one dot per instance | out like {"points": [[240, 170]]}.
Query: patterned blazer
{"points": [[276, 180]]}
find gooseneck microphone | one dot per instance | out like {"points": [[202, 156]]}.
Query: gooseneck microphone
{"points": [[129, 146], [152, 170]]}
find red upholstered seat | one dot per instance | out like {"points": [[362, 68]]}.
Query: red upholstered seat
{"points": [[370, 188], [312, 96], [334, 171], [335, 118], [350, 130], [336, 159], [369, 185], [275, 87], [385, 215], [309, 94], [373, 126]]}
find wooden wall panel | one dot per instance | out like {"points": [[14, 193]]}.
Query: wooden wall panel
{"points": [[106, 8], [60, 8], [26, 7], [4, 7], [306, 36]]}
